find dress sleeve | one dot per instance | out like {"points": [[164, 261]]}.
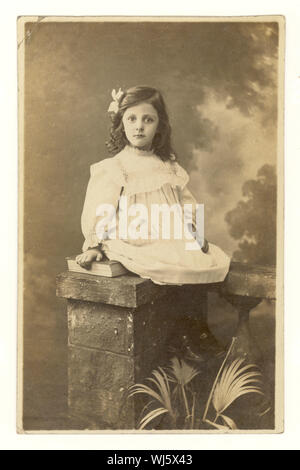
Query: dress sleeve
{"points": [[187, 200], [104, 187], [189, 204]]}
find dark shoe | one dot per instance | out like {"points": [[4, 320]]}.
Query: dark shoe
{"points": [[189, 351], [196, 343], [208, 343]]}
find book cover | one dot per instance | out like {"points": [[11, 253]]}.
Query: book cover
{"points": [[104, 267]]}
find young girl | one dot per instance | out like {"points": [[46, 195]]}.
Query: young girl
{"points": [[144, 175], [126, 197]]}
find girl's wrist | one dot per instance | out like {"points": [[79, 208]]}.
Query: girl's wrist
{"points": [[97, 247]]}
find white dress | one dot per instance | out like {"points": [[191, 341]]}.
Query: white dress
{"points": [[141, 177]]}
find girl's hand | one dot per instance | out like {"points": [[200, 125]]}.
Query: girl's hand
{"points": [[85, 259], [205, 246]]}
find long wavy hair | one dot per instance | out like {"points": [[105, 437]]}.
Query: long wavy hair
{"points": [[162, 140]]}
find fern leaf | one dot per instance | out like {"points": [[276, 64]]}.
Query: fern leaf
{"points": [[152, 415]]}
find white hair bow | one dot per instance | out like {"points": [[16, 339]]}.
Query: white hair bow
{"points": [[114, 105]]}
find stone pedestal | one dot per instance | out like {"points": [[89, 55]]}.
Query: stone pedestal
{"points": [[119, 329]]}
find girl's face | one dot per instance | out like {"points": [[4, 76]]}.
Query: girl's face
{"points": [[140, 125]]}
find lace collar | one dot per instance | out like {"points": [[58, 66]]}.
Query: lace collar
{"points": [[138, 174], [148, 174]]}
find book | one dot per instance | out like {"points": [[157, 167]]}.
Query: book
{"points": [[105, 267]]}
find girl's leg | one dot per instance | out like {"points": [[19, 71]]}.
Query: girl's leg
{"points": [[191, 332]]}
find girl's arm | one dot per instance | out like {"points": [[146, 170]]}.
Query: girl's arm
{"points": [[104, 187], [189, 204], [187, 198]]}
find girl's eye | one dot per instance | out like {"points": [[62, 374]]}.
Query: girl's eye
{"points": [[147, 119]]}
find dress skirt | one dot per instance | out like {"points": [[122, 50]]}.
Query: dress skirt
{"points": [[169, 262]]}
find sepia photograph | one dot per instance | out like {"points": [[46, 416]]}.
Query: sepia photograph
{"points": [[150, 276]]}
